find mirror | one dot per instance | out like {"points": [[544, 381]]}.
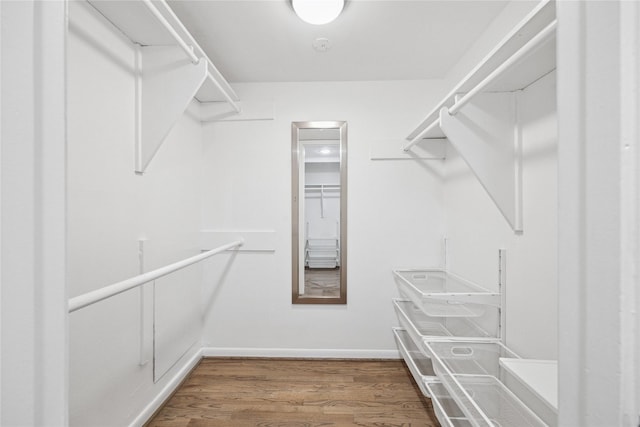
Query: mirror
{"points": [[319, 212]]}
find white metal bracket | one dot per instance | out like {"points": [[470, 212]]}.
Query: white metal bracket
{"points": [[249, 111], [146, 311], [487, 135], [502, 288], [166, 82], [425, 149]]}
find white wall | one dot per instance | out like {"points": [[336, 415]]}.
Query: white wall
{"points": [[476, 230], [109, 209], [395, 219]]}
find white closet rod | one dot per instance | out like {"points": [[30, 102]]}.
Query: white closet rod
{"points": [[98, 295], [535, 41], [188, 49]]}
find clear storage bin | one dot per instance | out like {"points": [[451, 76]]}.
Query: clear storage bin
{"points": [[442, 294], [419, 364], [473, 376], [421, 326]]}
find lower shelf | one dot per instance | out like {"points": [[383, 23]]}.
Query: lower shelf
{"points": [[468, 385], [445, 407], [419, 364], [539, 376], [473, 376], [421, 326]]}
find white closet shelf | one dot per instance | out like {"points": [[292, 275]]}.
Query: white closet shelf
{"points": [[539, 376], [442, 294], [139, 24], [492, 148], [472, 374], [531, 67], [171, 69], [420, 326]]}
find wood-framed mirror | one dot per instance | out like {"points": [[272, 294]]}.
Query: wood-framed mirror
{"points": [[319, 212]]}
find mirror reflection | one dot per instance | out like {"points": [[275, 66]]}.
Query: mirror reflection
{"points": [[319, 212]]}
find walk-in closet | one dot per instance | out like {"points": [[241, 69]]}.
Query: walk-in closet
{"points": [[246, 213]]}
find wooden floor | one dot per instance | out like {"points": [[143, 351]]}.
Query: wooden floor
{"points": [[322, 282], [304, 393]]}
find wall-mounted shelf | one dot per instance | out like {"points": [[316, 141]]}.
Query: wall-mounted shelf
{"points": [[139, 25], [494, 154], [322, 253], [473, 376], [520, 75], [539, 376], [171, 69], [441, 294], [420, 326]]}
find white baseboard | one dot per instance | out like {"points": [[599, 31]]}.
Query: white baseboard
{"points": [[166, 391], [300, 353]]}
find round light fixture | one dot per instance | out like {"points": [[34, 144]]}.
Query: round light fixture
{"points": [[317, 12]]}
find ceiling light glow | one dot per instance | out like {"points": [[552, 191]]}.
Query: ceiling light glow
{"points": [[317, 12]]}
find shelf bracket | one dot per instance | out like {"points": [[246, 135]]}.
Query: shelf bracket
{"points": [[166, 83], [487, 135]]}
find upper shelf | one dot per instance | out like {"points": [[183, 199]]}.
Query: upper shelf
{"points": [[534, 65], [138, 23]]}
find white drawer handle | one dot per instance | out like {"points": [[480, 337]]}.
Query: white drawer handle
{"points": [[462, 351]]}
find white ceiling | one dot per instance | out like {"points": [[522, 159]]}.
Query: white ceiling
{"points": [[263, 40]]}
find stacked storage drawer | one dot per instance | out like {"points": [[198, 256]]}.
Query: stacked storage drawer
{"points": [[449, 338]]}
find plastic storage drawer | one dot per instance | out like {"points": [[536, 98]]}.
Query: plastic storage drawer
{"points": [[442, 294], [421, 326], [472, 375]]}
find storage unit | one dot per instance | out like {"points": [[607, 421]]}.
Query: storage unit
{"points": [[456, 324], [322, 253], [472, 374], [465, 370], [420, 325], [439, 293]]}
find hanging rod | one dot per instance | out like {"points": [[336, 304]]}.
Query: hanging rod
{"points": [[527, 48], [98, 295], [188, 49], [535, 41]]}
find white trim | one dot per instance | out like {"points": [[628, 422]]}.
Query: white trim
{"points": [[630, 209], [166, 391], [34, 352], [597, 193], [307, 353]]}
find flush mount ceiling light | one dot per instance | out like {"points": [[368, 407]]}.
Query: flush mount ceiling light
{"points": [[317, 12]]}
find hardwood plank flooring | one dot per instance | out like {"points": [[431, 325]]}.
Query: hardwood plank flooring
{"points": [[302, 393], [322, 282]]}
